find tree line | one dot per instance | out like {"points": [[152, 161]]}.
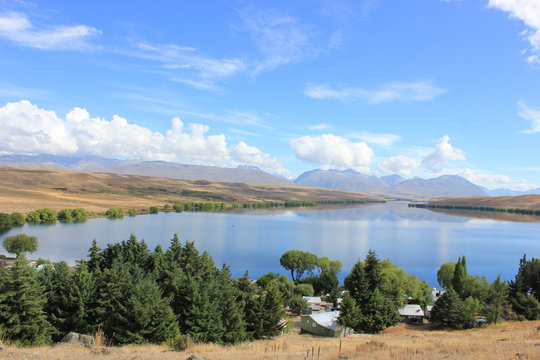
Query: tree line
{"points": [[478, 208], [136, 296]]}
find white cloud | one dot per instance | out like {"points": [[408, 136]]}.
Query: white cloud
{"points": [[527, 11], [532, 115], [249, 155], [398, 165], [443, 154], [18, 28], [385, 140], [186, 65], [319, 127], [395, 91], [27, 129], [486, 180], [281, 39], [333, 151]]}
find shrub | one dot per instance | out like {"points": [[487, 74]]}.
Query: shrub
{"points": [[183, 342], [178, 207], [17, 219], [131, 212], [304, 290], [153, 210], [64, 215], [114, 213]]}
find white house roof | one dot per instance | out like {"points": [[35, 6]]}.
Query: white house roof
{"points": [[312, 299], [327, 319], [410, 310]]}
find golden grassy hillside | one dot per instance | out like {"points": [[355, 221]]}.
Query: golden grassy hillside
{"points": [[24, 190], [503, 341], [531, 202]]}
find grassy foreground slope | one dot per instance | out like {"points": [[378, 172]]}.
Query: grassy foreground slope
{"points": [[519, 340], [530, 202], [24, 190]]}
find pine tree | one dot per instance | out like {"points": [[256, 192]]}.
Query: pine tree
{"points": [[449, 310], [380, 313], [252, 307], [22, 319], [232, 310], [94, 257], [147, 316], [460, 276], [272, 312], [350, 315]]}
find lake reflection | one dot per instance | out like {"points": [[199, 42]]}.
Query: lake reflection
{"points": [[417, 240]]}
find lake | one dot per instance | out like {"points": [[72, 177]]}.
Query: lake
{"points": [[417, 240]]}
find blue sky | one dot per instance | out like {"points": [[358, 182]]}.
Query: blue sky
{"points": [[419, 88]]}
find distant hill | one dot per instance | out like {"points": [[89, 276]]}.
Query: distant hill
{"points": [[392, 180], [391, 185], [348, 180], [508, 192], [530, 202], [25, 189], [247, 174], [446, 185]]}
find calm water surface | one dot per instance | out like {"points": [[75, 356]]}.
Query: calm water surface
{"points": [[417, 240]]}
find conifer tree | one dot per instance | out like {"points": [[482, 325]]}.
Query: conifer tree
{"points": [[449, 310], [272, 312], [231, 309], [22, 319], [460, 276], [146, 316], [350, 315]]}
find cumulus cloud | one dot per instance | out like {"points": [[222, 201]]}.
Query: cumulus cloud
{"points": [[395, 91], [334, 151], [443, 154], [18, 28], [527, 11], [486, 180], [401, 165], [27, 129], [532, 115], [250, 155]]}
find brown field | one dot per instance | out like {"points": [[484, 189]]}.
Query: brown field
{"points": [[503, 341], [531, 202], [24, 190]]}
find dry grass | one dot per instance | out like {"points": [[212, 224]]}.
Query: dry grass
{"points": [[24, 190], [531, 202], [503, 341]]}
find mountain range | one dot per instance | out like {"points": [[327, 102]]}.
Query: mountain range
{"points": [[389, 186]]}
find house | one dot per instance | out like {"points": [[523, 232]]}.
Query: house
{"points": [[322, 324], [314, 303], [436, 293], [411, 313], [428, 310]]}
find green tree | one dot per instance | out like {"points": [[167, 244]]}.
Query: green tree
{"points": [[497, 294], [523, 289], [381, 312], [449, 310], [20, 244], [5, 222], [445, 275], [153, 210], [297, 304], [17, 219], [304, 289], [79, 214], [114, 213], [298, 263], [273, 312], [65, 215], [460, 275], [22, 319], [350, 315], [131, 212]]}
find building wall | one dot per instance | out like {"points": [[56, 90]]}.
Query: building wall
{"points": [[310, 326]]}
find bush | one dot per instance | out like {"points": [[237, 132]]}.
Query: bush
{"points": [[304, 290], [17, 219], [178, 207], [44, 215], [131, 212], [79, 214], [5, 222], [64, 215], [183, 342], [114, 213], [153, 210], [297, 304]]}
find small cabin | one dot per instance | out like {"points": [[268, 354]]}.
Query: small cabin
{"points": [[322, 324], [411, 314]]}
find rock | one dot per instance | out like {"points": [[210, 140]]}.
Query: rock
{"points": [[105, 351], [196, 357], [76, 338]]}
